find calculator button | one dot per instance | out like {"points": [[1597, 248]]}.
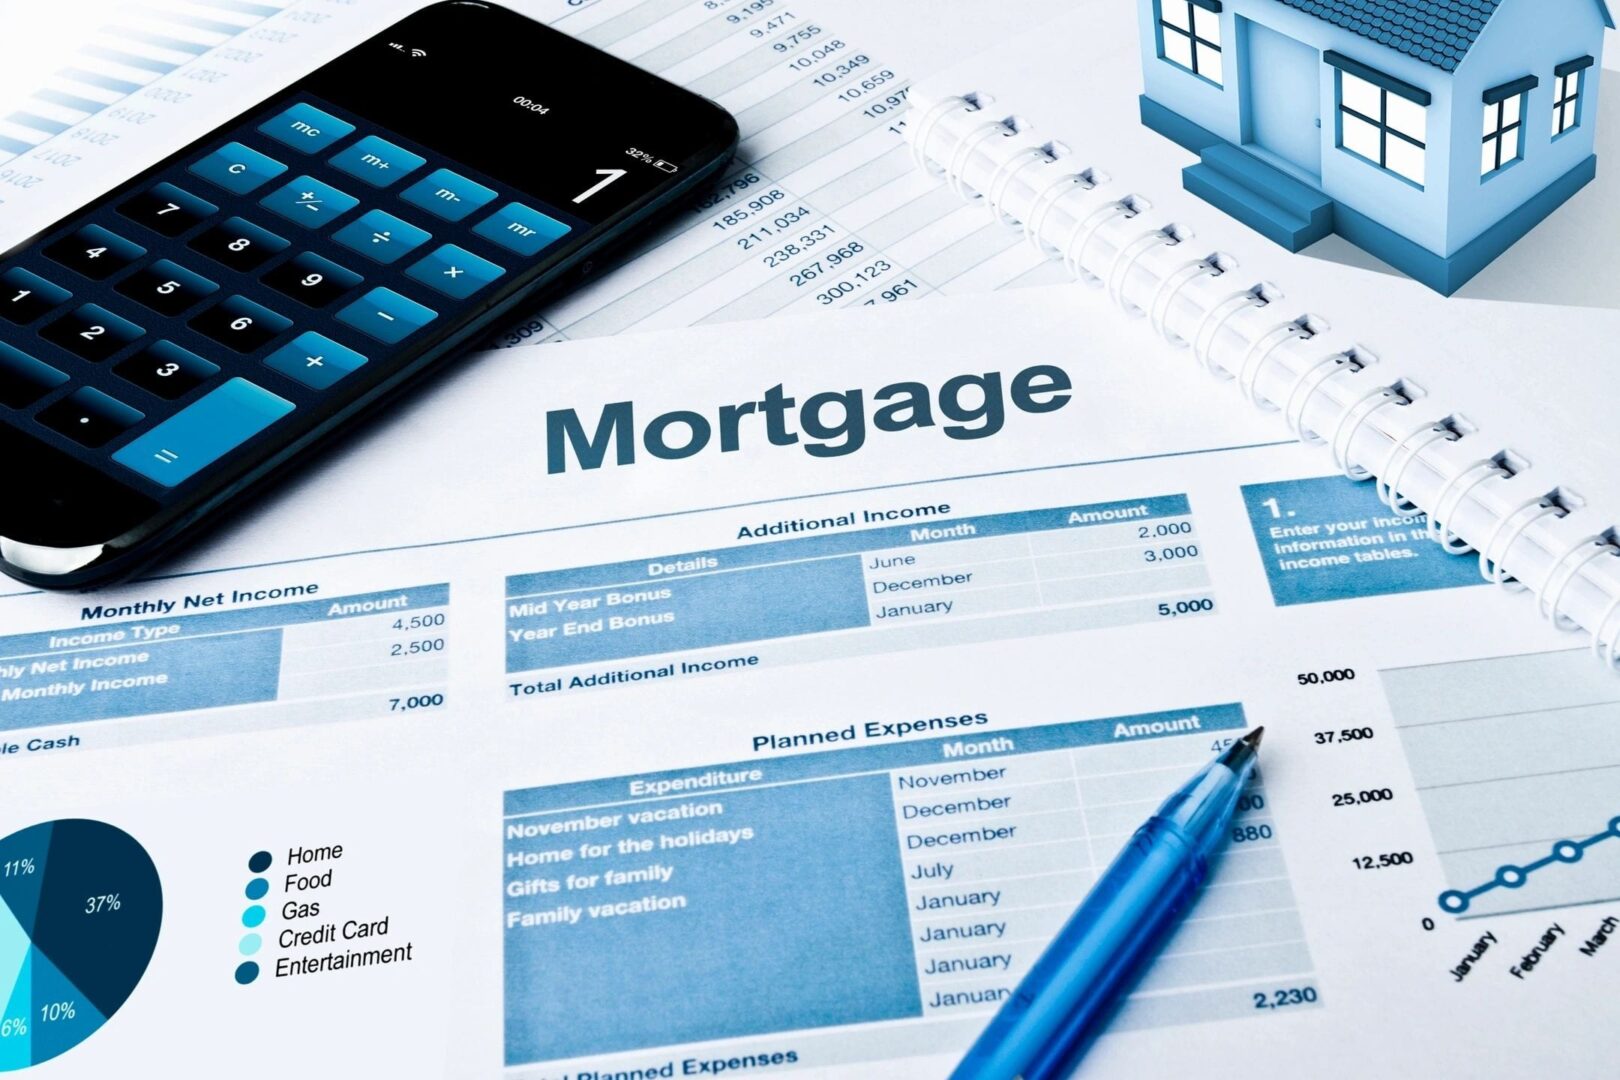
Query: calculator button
{"points": [[309, 202], [241, 324], [312, 280], [95, 252], [24, 380], [445, 194], [386, 315], [238, 169], [454, 272], [377, 161], [521, 229], [167, 288], [89, 417], [306, 128], [167, 370], [240, 245], [381, 236], [314, 360], [24, 297], [203, 432], [168, 210], [92, 332]]}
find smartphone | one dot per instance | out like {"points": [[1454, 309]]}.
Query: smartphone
{"points": [[169, 350]]}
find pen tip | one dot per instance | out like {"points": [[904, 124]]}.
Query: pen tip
{"points": [[1252, 739]]}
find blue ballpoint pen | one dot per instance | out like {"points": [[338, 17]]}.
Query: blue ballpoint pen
{"points": [[1062, 1004]]}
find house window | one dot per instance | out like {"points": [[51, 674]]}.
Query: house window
{"points": [[1190, 36], [1384, 127], [1504, 125], [1568, 82]]}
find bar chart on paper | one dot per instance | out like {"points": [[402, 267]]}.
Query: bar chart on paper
{"points": [[1517, 763], [902, 888]]}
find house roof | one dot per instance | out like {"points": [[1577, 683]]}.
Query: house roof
{"points": [[1438, 32]]}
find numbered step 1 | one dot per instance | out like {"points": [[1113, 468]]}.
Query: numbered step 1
{"points": [[1330, 538]]}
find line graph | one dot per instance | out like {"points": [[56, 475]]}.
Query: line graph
{"points": [[1517, 764]]}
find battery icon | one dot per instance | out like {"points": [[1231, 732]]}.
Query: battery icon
{"points": [[665, 166]]}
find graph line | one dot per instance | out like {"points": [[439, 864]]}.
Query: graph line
{"points": [[1511, 876]]}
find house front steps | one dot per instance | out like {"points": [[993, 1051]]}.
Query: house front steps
{"points": [[1263, 197]]}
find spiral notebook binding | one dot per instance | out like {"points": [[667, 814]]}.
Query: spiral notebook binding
{"points": [[1425, 460]]}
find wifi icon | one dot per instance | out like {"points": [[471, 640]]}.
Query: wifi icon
{"points": [[418, 52]]}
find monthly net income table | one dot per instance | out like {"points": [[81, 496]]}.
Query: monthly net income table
{"points": [[967, 578], [915, 881], [175, 659]]}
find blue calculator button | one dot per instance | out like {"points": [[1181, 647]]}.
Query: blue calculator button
{"points": [[306, 128], [309, 202], [520, 229], [386, 315], [203, 432], [24, 380], [238, 169], [24, 297], [314, 360], [446, 194], [381, 236], [454, 272], [377, 161]]}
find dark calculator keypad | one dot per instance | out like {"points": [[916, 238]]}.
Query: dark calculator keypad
{"points": [[242, 285], [167, 370], [92, 332], [241, 324], [89, 417], [168, 210], [167, 288], [240, 245], [24, 297], [95, 252], [312, 280]]}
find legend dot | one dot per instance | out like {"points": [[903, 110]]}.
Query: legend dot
{"points": [[247, 972], [253, 916], [257, 888], [260, 862]]}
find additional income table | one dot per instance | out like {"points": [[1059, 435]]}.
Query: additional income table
{"points": [[914, 881], [334, 647], [902, 586]]}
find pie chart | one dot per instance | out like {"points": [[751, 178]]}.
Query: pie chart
{"points": [[80, 907]]}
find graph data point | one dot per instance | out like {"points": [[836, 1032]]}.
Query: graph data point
{"points": [[1510, 877], [1567, 851], [1614, 826], [1454, 901]]}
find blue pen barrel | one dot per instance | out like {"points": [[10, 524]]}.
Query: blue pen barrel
{"points": [[1070, 992]]}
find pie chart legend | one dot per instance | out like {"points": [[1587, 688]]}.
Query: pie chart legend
{"points": [[80, 908]]}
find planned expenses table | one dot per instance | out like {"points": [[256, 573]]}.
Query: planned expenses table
{"points": [[904, 586], [380, 646], [912, 882]]}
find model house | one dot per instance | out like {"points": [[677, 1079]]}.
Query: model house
{"points": [[1431, 133]]}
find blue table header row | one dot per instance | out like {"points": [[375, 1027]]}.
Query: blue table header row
{"points": [[711, 780], [945, 530]]}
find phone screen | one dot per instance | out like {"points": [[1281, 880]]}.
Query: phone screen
{"points": [[187, 334]]}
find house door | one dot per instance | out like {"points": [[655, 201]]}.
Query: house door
{"points": [[1282, 94]]}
